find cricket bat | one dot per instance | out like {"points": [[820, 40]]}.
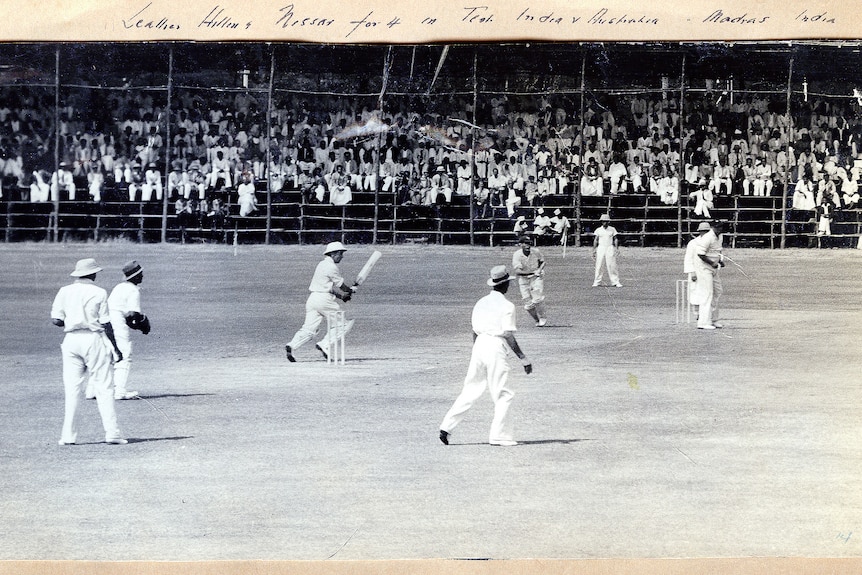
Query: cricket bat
{"points": [[366, 269]]}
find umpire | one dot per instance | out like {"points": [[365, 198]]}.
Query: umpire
{"points": [[81, 309]]}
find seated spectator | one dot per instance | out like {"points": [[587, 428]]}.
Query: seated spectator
{"points": [[763, 178], [591, 182], [497, 188], [803, 194], [219, 170], [541, 223], [636, 174], [513, 199], [441, 187], [246, 196], [62, 181], [826, 190], [703, 197], [721, 178], [175, 185], [668, 187], [531, 191], [40, 190], [617, 176], [340, 193], [96, 181], [749, 173], [152, 183], [521, 226]]}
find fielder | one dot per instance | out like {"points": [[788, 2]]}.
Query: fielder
{"points": [[81, 309], [124, 305], [493, 322], [707, 248], [529, 265], [605, 250], [327, 287]]}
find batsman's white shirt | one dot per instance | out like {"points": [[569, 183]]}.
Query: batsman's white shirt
{"points": [[326, 276]]}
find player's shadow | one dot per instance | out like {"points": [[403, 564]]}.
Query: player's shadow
{"points": [[151, 439], [549, 441], [533, 442], [164, 395]]}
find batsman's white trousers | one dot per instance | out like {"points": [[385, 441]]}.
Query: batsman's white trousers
{"points": [[488, 367], [316, 307], [532, 290], [87, 355], [606, 255]]}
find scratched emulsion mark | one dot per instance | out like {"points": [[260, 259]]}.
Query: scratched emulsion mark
{"points": [[633, 381]]}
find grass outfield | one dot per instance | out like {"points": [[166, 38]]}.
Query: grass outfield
{"points": [[640, 437]]}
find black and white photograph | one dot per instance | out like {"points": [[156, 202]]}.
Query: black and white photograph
{"points": [[479, 301]]}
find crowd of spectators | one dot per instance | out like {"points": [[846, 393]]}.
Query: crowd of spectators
{"points": [[510, 152]]}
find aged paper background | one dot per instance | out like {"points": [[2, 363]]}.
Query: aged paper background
{"points": [[421, 21]]}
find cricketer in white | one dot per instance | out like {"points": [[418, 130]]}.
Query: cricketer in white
{"points": [[493, 321], [327, 287]]}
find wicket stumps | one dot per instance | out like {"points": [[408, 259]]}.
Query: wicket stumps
{"points": [[683, 301], [336, 330]]}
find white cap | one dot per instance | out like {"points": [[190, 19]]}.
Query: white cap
{"points": [[334, 247]]}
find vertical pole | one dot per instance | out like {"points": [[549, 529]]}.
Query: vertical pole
{"points": [[268, 140], [577, 188], [386, 61], [787, 167], [472, 150], [680, 170], [166, 193], [55, 227]]}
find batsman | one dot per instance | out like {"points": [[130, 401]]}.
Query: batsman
{"points": [[327, 289], [529, 265]]}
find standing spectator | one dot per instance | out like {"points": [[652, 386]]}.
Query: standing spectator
{"points": [[709, 261], [605, 250], [559, 225], [493, 323], [825, 212], [528, 264], [81, 309], [327, 286]]}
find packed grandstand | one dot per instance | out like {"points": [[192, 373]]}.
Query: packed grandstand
{"points": [[448, 144]]}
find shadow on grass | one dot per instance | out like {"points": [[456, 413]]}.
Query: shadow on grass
{"points": [[151, 439], [164, 395], [534, 442]]}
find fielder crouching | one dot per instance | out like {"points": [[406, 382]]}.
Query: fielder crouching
{"points": [[327, 287]]}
